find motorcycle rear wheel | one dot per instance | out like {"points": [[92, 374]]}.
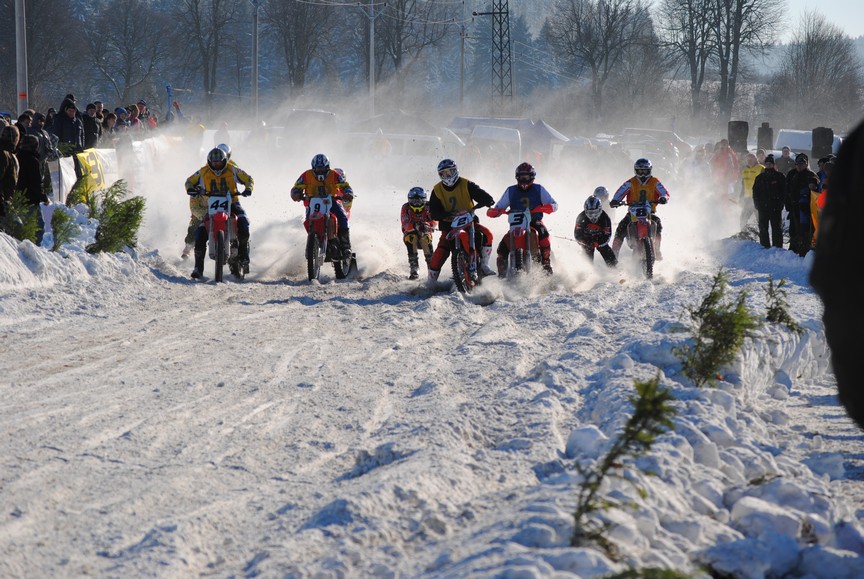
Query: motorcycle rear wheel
{"points": [[313, 256], [220, 256]]}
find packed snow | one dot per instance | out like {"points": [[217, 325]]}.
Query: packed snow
{"points": [[378, 427]]}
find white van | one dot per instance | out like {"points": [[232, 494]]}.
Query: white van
{"points": [[801, 142]]}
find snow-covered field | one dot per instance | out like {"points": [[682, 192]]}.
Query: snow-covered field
{"points": [[152, 426]]}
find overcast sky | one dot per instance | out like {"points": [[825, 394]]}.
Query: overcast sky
{"points": [[847, 14]]}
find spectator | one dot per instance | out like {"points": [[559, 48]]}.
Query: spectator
{"points": [[23, 123], [838, 253], [31, 180], [748, 176], [817, 201], [769, 195], [760, 156], [122, 120], [108, 135], [724, 169], [147, 118], [47, 150], [49, 121], [799, 183], [785, 162], [100, 110], [92, 127], [8, 165], [69, 128], [135, 124]]}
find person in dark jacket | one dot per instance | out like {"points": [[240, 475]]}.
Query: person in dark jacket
{"points": [[92, 127], [8, 165], [799, 182], [31, 179], [838, 255], [69, 128], [769, 194]]}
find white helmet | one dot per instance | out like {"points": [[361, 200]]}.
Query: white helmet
{"points": [[593, 209]]}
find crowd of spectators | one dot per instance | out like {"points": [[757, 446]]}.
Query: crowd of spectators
{"points": [[30, 142]]}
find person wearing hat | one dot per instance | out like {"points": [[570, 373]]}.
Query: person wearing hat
{"points": [[122, 119], [769, 195], [799, 183]]}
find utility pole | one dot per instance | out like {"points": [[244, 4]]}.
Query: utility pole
{"points": [[256, 4], [502, 69], [370, 14], [21, 56]]}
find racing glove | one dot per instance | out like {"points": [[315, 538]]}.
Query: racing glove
{"points": [[616, 203], [662, 200]]}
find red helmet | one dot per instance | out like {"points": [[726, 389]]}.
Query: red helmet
{"points": [[525, 175]]}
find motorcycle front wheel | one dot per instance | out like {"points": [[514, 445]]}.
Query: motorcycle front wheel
{"points": [[342, 267], [313, 256], [462, 270], [220, 255], [648, 257]]}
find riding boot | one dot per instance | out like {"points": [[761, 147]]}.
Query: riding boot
{"points": [[243, 255], [433, 276], [345, 243], [198, 272], [413, 264], [485, 254], [501, 262], [616, 245], [608, 255], [658, 256]]}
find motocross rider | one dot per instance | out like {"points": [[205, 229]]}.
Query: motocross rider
{"points": [[593, 230], [218, 176], [641, 187], [450, 196], [535, 196], [321, 181], [417, 226]]}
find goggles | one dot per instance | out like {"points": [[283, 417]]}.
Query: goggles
{"points": [[643, 172], [217, 165], [593, 214], [524, 177], [447, 173]]}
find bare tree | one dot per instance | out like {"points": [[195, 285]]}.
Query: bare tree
{"points": [[596, 34], [127, 44], [687, 35], [54, 47], [736, 26], [208, 23], [820, 76], [302, 32]]}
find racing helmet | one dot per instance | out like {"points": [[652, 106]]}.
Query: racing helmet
{"points": [[320, 165], [593, 208], [448, 172], [642, 168], [525, 175], [601, 193], [226, 148], [217, 160], [417, 199]]}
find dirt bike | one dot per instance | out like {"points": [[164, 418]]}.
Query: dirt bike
{"points": [[221, 226], [463, 253], [641, 232], [322, 244], [522, 241]]}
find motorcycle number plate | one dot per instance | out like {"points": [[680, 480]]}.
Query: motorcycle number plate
{"points": [[461, 220], [319, 205], [219, 205], [517, 219]]}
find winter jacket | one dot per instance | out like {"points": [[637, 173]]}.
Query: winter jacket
{"points": [[69, 130], [30, 175], [591, 234], [92, 131], [798, 189], [769, 190]]}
